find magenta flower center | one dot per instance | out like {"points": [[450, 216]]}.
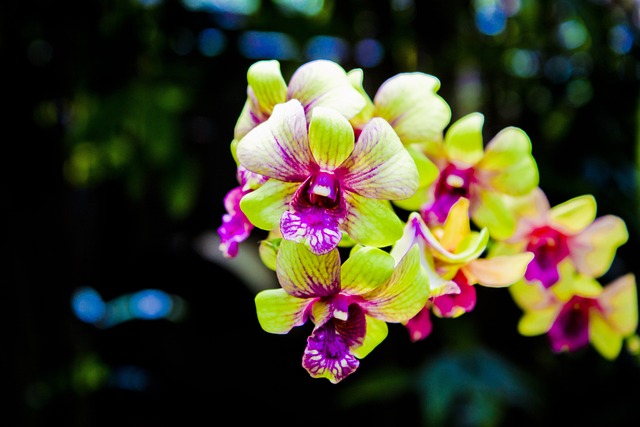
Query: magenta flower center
{"points": [[570, 330], [452, 184], [323, 189], [549, 247]]}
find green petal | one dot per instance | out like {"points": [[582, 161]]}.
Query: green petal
{"points": [[264, 206], [463, 140], [620, 300], [267, 83], [331, 137], [493, 213], [366, 269], [304, 274], [529, 296], [358, 121], [279, 147], [380, 167], [573, 283], [325, 83], [604, 338], [404, 294], [537, 322], [278, 312], [574, 215], [593, 250], [268, 249], [371, 222], [409, 102], [508, 164], [377, 331]]}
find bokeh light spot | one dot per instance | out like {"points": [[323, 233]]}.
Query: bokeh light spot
{"points": [[620, 39], [490, 20], [369, 53], [267, 44], [327, 47], [88, 305], [212, 42]]}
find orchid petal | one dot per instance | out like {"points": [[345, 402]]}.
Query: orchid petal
{"points": [[508, 164], [408, 101], [304, 274], [328, 354], [366, 269], [331, 138], [358, 121], [427, 174], [314, 227], [247, 119], [593, 250], [264, 207], [572, 283], [499, 271], [463, 140], [620, 303], [604, 338], [278, 312], [380, 167], [371, 222], [269, 87], [470, 248], [537, 322], [575, 214], [420, 325], [325, 83], [377, 331], [492, 212], [403, 295], [530, 296], [456, 226], [279, 147]]}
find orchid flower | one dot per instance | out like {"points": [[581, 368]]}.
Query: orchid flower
{"points": [[481, 174], [349, 304], [578, 311], [316, 83], [322, 183], [450, 256], [568, 231]]}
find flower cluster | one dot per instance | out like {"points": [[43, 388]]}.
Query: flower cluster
{"points": [[379, 210]]}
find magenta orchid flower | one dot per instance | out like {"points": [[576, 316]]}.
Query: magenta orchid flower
{"points": [[350, 304], [450, 256], [568, 232], [578, 311], [316, 83], [322, 183]]}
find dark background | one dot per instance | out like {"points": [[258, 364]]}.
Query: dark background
{"points": [[118, 129]]}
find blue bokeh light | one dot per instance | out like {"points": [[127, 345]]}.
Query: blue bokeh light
{"points": [[490, 20], [212, 42], [327, 47], [88, 305], [150, 304], [267, 45], [369, 53], [620, 39]]}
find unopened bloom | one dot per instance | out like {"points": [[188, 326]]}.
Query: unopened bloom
{"points": [[322, 183], [568, 232], [578, 311], [349, 304]]}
